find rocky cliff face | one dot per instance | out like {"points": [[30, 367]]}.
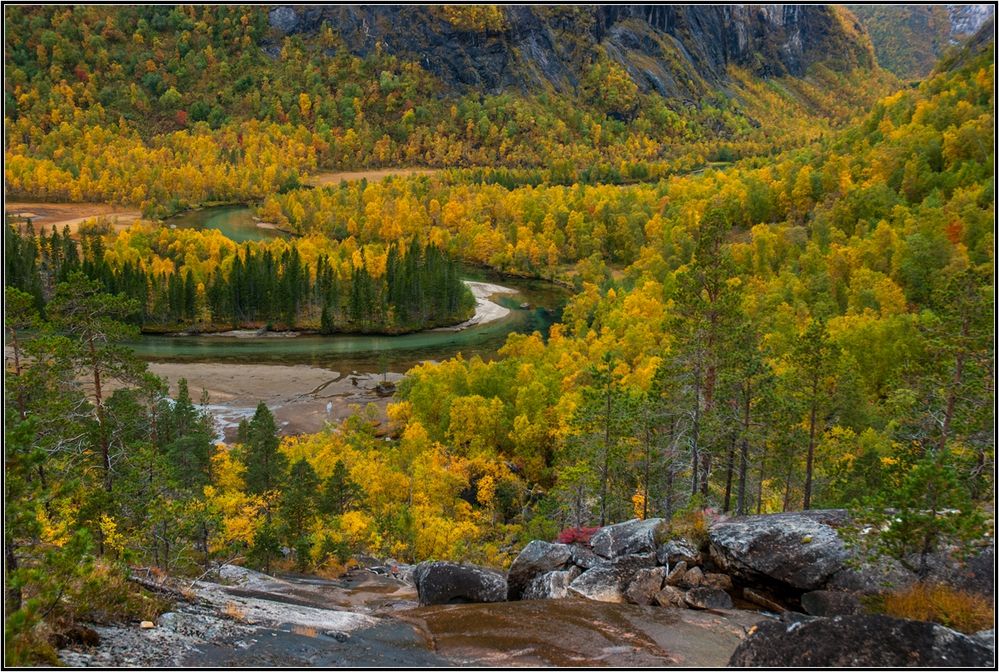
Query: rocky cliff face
{"points": [[675, 50]]}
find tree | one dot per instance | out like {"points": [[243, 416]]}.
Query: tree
{"points": [[298, 501], [96, 322], [339, 493], [265, 464], [813, 356]]}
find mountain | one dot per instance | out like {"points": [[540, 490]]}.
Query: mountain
{"points": [[909, 39], [677, 51]]}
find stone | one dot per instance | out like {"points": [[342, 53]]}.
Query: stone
{"points": [[859, 641], [676, 574], [719, 581], [537, 558], [551, 585], [628, 538], [147, 625], [451, 583], [603, 584], [986, 637], [693, 577], [872, 576], [760, 599], [678, 550], [831, 603], [582, 556], [671, 596], [772, 548], [645, 585], [703, 597]]}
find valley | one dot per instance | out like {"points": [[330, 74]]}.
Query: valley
{"points": [[443, 335]]}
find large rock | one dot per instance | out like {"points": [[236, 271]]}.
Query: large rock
{"points": [[603, 584], [797, 549], [703, 597], [551, 585], [871, 576], [645, 585], [628, 538], [676, 574], [451, 583], [859, 641], [537, 558], [830, 603], [678, 550], [585, 558], [671, 596]]}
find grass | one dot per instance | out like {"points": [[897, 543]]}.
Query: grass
{"points": [[957, 609]]}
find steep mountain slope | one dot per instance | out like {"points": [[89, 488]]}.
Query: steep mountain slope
{"points": [[669, 49], [908, 39]]}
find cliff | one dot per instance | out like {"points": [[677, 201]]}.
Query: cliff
{"points": [[678, 51]]}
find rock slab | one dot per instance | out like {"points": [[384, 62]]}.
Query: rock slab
{"points": [[859, 641]]}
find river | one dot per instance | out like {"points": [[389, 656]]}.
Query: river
{"points": [[307, 380]]}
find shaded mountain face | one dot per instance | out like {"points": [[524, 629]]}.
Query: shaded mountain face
{"points": [[909, 39], [675, 50]]}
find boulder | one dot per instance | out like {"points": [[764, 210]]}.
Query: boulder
{"points": [[693, 577], [645, 585], [703, 597], [859, 641], [582, 556], [797, 549], [603, 584], [537, 558], [676, 574], [670, 596], [451, 583], [678, 550], [987, 638], [760, 599], [551, 585], [719, 581], [831, 603], [633, 536]]}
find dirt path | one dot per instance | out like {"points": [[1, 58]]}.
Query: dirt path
{"points": [[323, 179], [71, 214]]}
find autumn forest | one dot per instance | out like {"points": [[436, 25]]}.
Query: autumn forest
{"points": [[780, 296]]}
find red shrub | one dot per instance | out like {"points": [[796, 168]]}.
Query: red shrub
{"points": [[576, 535]]}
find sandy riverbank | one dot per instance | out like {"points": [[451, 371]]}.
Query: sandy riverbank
{"points": [[303, 398], [485, 309], [72, 214]]}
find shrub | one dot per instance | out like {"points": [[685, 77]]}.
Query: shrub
{"points": [[576, 535], [941, 604]]}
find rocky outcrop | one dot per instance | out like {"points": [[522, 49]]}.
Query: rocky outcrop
{"points": [[665, 48], [859, 641], [537, 558], [628, 538], [800, 550], [603, 584], [451, 583]]}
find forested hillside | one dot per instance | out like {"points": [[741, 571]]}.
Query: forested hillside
{"points": [[166, 108], [783, 297]]}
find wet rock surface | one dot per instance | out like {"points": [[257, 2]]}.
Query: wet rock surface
{"points": [[859, 641]]}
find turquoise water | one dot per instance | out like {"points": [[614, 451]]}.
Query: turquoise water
{"points": [[355, 352], [234, 221]]}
